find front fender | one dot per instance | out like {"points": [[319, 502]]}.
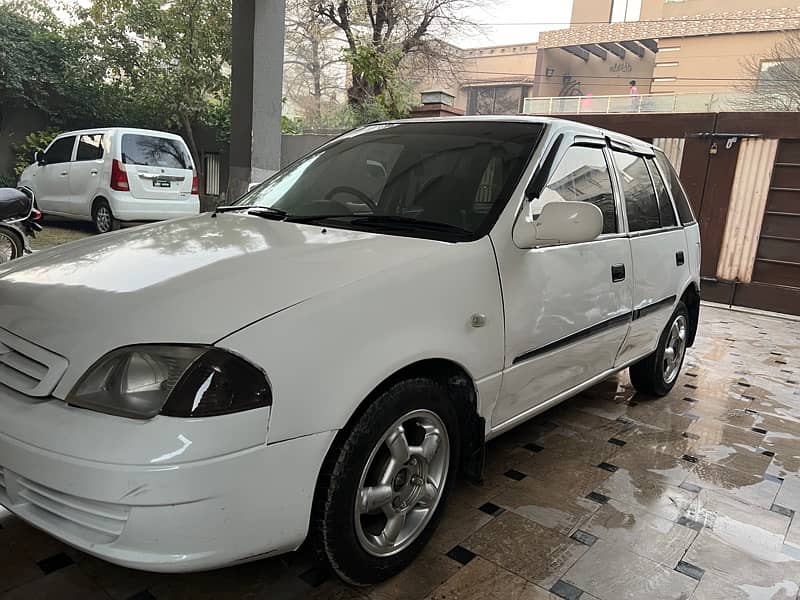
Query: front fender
{"points": [[325, 355]]}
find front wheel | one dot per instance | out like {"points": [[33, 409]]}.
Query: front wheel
{"points": [[11, 245], [657, 373], [382, 490]]}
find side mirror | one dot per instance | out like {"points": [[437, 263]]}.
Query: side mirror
{"points": [[38, 158], [559, 223]]}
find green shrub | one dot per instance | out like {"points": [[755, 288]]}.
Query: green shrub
{"points": [[8, 181], [34, 141]]}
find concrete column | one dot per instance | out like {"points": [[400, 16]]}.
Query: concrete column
{"points": [[256, 94]]}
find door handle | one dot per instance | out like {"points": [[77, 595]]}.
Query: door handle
{"points": [[63, 173], [617, 273], [679, 258], [94, 171]]}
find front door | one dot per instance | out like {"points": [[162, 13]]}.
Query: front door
{"points": [[567, 306], [52, 178]]}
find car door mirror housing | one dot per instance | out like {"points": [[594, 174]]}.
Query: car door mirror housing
{"points": [[559, 223], [39, 158]]}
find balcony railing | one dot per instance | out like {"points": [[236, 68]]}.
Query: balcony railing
{"points": [[644, 103]]}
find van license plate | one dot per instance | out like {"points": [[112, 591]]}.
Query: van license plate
{"points": [[162, 183]]}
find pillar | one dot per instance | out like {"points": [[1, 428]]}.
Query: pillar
{"points": [[256, 92]]}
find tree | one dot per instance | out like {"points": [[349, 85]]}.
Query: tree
{"points": [[382, 35], [314, 65], [172, 57], [775, 78], [49, 66]]}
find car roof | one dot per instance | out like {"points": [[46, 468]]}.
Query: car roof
{"points": [[547, 121], [155, 132]]}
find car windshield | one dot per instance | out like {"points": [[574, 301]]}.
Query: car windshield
{"points": [[445, 180]]}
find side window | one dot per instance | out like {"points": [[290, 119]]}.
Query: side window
{"points": [[641, 204], [678, 195], [90, 147], [60, 151], [582, 175], [664, 202]]}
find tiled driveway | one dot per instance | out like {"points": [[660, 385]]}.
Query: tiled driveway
{"points": [[610, 496]]}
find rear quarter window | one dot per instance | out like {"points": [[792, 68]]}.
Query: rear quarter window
{"points": [[676, 189], [154, 151]]}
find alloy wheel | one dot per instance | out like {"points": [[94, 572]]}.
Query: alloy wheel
{"points": [[402, 483], [674, 349], [103, 219]]}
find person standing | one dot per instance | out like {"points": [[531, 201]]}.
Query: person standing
{"points": [[634, 93]]}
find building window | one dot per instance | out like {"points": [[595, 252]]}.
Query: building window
{"points": [[625, 10], [669, 49], [667, 64], [778, 71], [497, 100]]}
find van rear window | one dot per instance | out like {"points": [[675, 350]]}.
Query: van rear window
{"points": [[153, 151]]}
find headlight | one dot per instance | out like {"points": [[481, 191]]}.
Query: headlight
{"points": [[141, 382]]}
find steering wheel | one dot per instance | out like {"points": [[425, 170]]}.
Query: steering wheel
{"points": [[346, 189]]}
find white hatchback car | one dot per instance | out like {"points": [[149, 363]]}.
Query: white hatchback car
{"points": [[115, 175], [324, 358]]}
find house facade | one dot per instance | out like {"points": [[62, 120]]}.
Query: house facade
{"points": [[683, 55]]}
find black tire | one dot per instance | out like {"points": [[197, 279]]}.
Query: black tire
{"points": [[10, 240], [334, 533], [648, 375], [103, 218]]}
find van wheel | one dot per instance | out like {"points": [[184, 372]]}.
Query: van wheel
{"points": [[382, 490], [657, 373], [11, 246], [103, 218]]}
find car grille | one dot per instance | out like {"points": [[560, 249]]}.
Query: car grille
{"points": [[28, 368], [95, 522]]}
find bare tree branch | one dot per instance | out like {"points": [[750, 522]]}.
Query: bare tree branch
{"points": [[774, 79]]}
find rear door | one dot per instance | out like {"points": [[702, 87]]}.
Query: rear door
{"points": [[658, 245], [52, 178], [159, 168], [86, 172]]}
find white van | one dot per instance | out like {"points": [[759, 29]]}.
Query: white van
{"points": [[115, 175]]}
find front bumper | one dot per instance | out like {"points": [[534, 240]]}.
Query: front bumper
{"points": [[172, 517]]}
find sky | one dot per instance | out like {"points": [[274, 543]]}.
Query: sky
{"points": [[500, 16], [530, 16]]}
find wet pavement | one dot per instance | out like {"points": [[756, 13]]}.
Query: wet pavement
{"points": [[609, 496]]}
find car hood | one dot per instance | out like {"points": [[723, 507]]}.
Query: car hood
{"points": [[192, 280]]}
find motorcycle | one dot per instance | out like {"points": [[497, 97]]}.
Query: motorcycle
{"points": [[19, 220]]}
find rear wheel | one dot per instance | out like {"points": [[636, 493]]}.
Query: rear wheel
{"points": [[11, 245], [382, 490], [103, 218], [657, 373]]}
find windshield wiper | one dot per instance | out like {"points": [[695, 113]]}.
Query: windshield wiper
{"points": [[386, 221], [315, 218], [259, 211], [408, 223]]}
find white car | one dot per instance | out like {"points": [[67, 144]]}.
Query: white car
{"points": [[109, 176], [325, 357]]}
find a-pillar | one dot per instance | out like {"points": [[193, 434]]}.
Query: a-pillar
{"points": [[256, 92]]}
